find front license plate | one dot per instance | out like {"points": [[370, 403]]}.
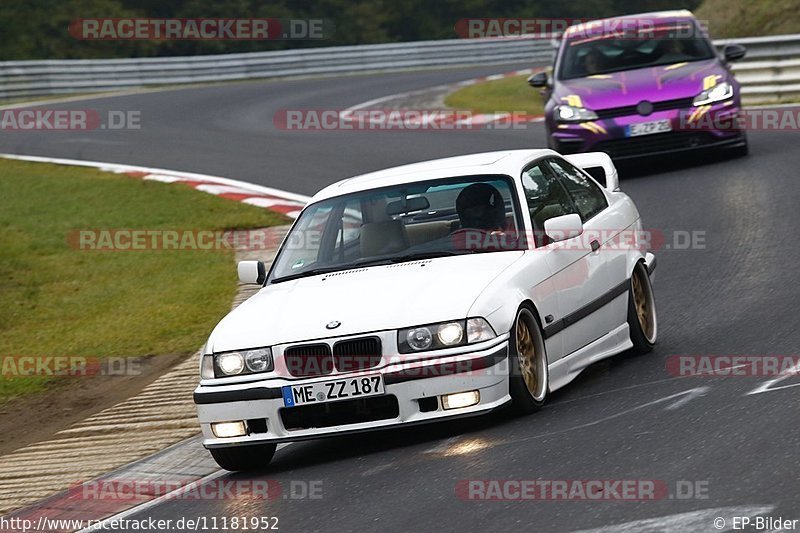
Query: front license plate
{"points": [[333, 390], [648, 128]]}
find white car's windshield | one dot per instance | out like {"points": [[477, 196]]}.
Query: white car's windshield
{"points": [[603, 55], [401, 223]]}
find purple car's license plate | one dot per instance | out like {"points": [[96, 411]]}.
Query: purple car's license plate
{"points": [[648, 128]]}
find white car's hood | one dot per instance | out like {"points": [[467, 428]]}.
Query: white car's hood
{"points": [[362, 300]]}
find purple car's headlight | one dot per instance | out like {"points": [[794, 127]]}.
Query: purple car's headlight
{"points": [[568, 113], [717, 93]]}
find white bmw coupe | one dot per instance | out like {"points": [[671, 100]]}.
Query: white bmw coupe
{"points": [[426, 292]]}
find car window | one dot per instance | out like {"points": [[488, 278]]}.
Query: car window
{"points": [[427, 218], [605, 54], [586, 194], [546, 198]]}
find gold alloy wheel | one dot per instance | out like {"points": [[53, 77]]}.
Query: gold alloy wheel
{"points": [[642, 301], [526, 352]]}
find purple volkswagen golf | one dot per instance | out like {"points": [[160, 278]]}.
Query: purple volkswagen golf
{"points": [[642, 85]]}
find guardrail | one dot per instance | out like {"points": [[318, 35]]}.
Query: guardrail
{"points": [[770, 72], [37, 78]]}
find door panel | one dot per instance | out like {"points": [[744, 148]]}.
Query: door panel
{"points": [[579, 274]]}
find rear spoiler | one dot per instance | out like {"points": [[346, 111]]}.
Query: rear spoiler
{"points": [[599, 166]]}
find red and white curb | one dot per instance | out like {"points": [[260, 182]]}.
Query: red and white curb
{"points": [[474, 119], [276, 200]]}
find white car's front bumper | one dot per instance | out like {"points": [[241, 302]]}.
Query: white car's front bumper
{"points": [[261, 404]]}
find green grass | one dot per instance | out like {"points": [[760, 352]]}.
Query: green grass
{"points": [[511, 94], [749, 18], [57, 300]]}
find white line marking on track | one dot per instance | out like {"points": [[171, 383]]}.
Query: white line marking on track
{"points": [[694, 393], [767, 386], [702, 520]]}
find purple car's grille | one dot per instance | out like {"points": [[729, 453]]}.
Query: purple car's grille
{"points": [[652, 144], [664, 105], [309, 360]]}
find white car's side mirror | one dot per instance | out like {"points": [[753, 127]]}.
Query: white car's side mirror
{"points": [[252, 272], [563, 227], [596, 163]]}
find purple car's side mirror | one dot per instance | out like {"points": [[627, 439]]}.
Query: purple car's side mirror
{"points": [[539, 79], [734, 52]]}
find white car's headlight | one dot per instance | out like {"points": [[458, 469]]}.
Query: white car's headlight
{"points": [[717, 93], [568, 113], [258, 360], [444, 335], [238, 363]]}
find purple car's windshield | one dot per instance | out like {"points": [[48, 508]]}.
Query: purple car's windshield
{"points": [[590, 56]]}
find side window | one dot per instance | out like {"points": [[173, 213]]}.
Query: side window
{"points": [[587, 196], [545, 196]]}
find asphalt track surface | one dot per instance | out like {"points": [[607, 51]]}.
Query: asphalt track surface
{"points": [[624, 418]]}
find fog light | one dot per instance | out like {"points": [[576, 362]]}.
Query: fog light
{"points": [[460, 400], [225, 430]]}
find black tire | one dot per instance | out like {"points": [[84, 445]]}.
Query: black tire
{"points": [[244, 458], [642, 317], [522, 361]]}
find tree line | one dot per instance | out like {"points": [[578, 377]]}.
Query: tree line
{"points": [[38, 29]]}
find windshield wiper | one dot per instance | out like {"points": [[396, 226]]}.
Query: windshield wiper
{"points": [[428, 255], [307, 273], [373, 262], [337, 268]]}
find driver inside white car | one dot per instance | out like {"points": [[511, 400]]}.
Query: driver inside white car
{"points": [[481, 206]]}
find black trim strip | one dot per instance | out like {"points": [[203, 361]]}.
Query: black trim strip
{"points": [[446, 369], [587, 309], [244, 395]]}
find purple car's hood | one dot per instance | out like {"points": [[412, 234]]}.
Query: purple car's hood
{"points": [[667, 82]]}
